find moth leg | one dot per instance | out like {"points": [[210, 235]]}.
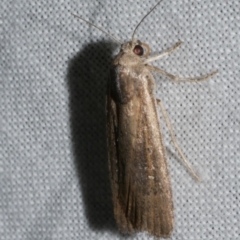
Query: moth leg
{"points": [[170, 129], [177, 78], [167, 52]]}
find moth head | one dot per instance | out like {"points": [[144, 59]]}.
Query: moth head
{"points": [[136, 48]]}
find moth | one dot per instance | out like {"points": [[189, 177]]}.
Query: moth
{"points": [[141, 189]]}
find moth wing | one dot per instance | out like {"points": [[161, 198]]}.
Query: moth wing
{"points": [[139, 175], [112, 136]]}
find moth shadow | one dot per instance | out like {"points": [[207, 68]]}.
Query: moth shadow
{"points": [[87, 77]]}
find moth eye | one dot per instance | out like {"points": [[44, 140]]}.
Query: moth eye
{"points": [[138, 50]]}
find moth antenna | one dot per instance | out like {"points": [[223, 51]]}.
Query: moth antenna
{"points": [[144, 18], [111, 36]]}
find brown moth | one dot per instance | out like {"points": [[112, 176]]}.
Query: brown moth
{"points": [[140, 182]]}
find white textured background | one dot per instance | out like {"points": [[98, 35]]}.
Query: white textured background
{"points": [[54, 68]]}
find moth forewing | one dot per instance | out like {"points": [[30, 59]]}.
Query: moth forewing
{"points": [[139, 175]]}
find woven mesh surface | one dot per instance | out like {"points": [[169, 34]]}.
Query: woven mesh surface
{"points": [[54, 69]]}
